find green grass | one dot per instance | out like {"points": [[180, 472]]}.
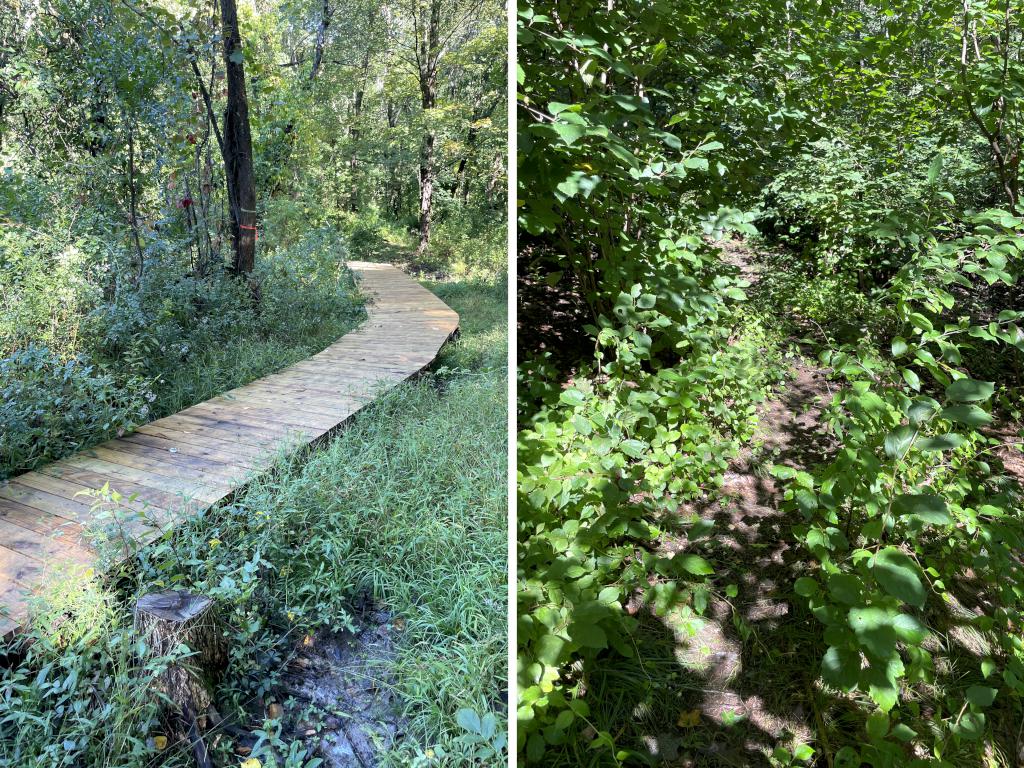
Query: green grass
{"points": [[407, 505]]}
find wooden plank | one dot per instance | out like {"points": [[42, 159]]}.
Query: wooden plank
{"points": [[245, 455], [60, 506], [69, 488], [41, 546], [144, 482], [283, 415], [138, 456], [179, 452], [40, 521]]}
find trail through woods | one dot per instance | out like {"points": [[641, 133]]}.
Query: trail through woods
{"points": [[751, 686]]}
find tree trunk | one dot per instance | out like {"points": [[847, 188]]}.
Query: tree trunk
{"points": [[428, 54], [238, 161], [133, 205], [165, 621], [393, 199], [321, 39], [353, 135]]}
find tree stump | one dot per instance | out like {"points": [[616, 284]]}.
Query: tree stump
{"points": [[166, 620]]}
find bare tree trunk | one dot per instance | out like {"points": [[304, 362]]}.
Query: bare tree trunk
{"points": [[238, 161], [321, 38], [394, 186], [133, 203], [429, 50]]}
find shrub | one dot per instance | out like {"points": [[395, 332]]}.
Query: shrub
{"points": [[52, 406]]}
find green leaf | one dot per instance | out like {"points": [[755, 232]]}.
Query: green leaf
{"points": [[805, 586], [925, 506], [548, 650], [840, 668], [881, 680], [845, 588], [874, 630], [967, 390], [569, 132], [588, 635], [903, 732], [971, 415], [468, 719], [877, 725], [947, 442], [912, 379], [898, 442], [899, 576], [899, 346], [633, 448], [909, 629], [572, 397], [934, 169], [694, 564], [980, 696]]}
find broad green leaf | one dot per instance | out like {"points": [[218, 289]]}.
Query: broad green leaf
{"points": [[981, 696], [971, 415], [928, 507], [805, 586], [633, 448], [898, 442], [947, 442], [845, 588], [877, 725], [840, 668], [899, 575], [588, 635], [468, 719], [572, 397], [967, 390], [874, 631], [694, 564]]}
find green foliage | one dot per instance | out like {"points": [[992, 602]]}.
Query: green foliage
{"points": [[49, 406], [911, 503], [862, 140]]}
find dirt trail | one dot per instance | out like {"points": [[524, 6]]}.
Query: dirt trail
{"points": [[753, 658], [740, 644]]}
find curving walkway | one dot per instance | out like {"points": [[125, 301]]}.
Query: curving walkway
{"points": [[182, 464]]}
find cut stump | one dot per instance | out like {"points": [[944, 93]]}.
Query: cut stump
{"points": [[167, 620]]}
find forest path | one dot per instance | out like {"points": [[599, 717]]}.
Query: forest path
{"points": [[51, 518], [748, 662]]}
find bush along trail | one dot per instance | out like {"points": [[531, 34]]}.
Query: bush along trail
{"points": [[770, 506]]}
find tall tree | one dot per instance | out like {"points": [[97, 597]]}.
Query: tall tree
{"points": [[435, 25], [238, 161]]}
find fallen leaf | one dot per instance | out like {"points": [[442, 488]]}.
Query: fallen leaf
{"points": [[252, 762], [689, 718], [275, 711], [160, 742], [399, 623]]}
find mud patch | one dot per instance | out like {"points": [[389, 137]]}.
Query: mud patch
{"points": [[336, 698]]}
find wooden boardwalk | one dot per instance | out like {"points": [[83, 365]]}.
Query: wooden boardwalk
{"points": [[187, 462]]}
